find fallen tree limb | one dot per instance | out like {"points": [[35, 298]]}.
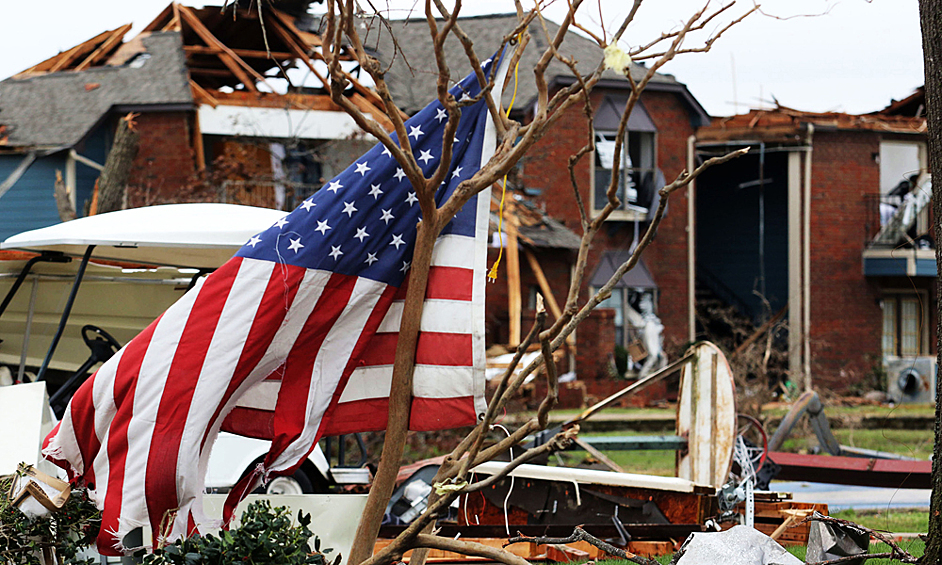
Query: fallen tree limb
{"points": [[579, 534]]}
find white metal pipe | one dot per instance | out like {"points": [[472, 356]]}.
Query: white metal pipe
{"points": [[806, 271], [691, 243], [795, 281]]}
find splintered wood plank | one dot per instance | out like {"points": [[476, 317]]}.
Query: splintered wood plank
{"points": [[244, 53], [201, 95], [303, 47], [228, 58], [298, 48], [106, 47], [575, 551], [544, 284], [514, 300], [311, 41], [706, 416], [62, 60], [163, 18]]}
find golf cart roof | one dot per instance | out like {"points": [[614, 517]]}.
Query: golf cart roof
{"points": [[199, 235]]}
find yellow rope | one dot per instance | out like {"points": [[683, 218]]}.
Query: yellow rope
{"points": [[492, 274]]}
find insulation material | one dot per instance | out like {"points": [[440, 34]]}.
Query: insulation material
{"points": [[739, 545]]}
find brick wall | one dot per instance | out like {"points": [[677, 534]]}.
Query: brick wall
{"points": [[846, 319], [165, 162], [556, 267], [667, 255], [594, 339], [546, 168]]}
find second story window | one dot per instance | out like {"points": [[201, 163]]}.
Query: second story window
{"points": [[638, 177]]}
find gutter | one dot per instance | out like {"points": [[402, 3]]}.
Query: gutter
{"points": [[806, 260]]}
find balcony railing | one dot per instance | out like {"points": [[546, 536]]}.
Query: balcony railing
{"points": [[276, 194]]}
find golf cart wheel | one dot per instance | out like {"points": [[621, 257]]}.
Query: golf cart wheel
{"points": [[298, 483]]}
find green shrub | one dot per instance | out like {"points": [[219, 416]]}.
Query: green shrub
{"points": [[266, 535], [66, 532]]}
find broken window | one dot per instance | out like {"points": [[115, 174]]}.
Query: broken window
{"points": [[904, 325], [638, 176], [899, 162]]}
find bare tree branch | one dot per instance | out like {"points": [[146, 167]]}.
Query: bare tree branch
{"points": [[579, 534], [469, 548]]}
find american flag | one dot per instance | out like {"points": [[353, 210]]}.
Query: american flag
{"points": [[292, 339]]}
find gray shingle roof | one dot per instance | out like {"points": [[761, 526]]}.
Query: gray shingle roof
{"points": [[415, 88], [58, 109]]}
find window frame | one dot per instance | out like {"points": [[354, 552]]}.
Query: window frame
{"points": [[897, 299], [629, 211], [627, 329]]}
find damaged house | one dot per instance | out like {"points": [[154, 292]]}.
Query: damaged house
{"points": [[826, 216], [659, 128], [225, 110]]}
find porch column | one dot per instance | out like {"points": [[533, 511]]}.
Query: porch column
{"points": [[795, 306]]}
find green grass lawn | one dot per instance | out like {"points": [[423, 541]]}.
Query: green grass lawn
{"points": [[911, 443], [870, 411], [915, 547], [647, 462], [896, 520]]}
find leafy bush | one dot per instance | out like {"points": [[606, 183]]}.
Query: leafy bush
{"points": [[266, 535], [66, 532]]}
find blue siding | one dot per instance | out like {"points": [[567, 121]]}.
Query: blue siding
{"points": [[925, 268], [93, 148], [884, 266], [29, 204]]}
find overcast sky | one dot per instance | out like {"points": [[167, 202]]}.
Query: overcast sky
{"points": [[851, 55]]}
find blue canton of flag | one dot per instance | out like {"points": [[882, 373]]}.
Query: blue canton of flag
{"points": [[363, 221]]}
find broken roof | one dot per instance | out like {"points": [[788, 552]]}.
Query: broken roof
{"points": [[59, 108], [412, 76], [183, 58], [787, 125], [913, 105]]}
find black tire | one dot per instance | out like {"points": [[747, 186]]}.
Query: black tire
{"points": [[296, 483]]}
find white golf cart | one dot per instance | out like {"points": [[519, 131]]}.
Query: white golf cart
{"points": [[74, 292]]}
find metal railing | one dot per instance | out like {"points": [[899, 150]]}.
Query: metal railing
{"points": [[277, 194], [708, 280]]}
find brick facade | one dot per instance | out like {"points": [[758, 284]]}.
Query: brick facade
{"points": [[546, 168], [846, 317], [555, 264], [165, 162]]}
